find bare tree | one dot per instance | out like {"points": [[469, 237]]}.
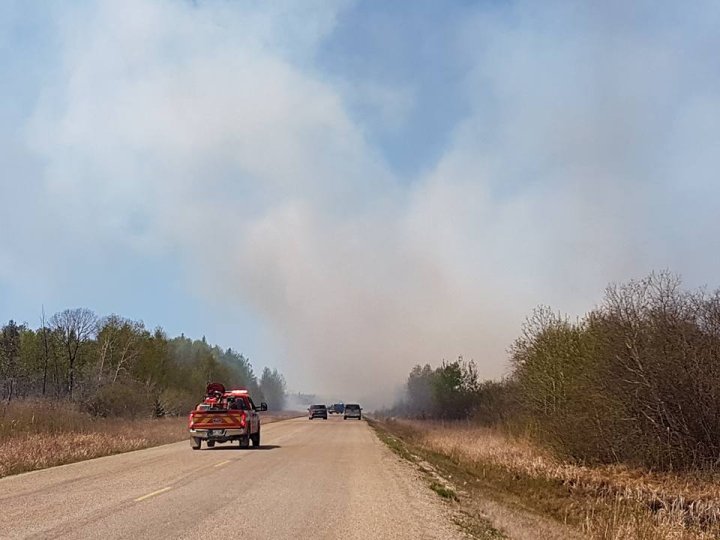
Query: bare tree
{"points": [[75, 326]]}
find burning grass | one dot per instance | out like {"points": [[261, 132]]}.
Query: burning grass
{"points": [[40, 434], [609, 502]]}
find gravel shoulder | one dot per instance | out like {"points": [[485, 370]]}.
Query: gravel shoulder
{"points": [[480, 511]]}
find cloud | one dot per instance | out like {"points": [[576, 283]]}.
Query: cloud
{"points": [[209, 131]]}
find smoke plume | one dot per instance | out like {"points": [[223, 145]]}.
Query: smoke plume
{"points": [[584, 155]]}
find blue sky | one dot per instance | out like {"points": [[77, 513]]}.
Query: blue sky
{"points": [[344, 189]]}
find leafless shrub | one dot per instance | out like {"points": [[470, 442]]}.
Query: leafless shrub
{"points": [[637, 380]]}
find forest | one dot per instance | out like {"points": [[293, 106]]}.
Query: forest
{"points": [[113, 366]]}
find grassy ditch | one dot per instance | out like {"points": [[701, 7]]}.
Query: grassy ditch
{"points": [[40, 434], [598, 502]]}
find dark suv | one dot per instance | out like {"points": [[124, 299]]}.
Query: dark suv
{"points": [[352, 410], [317, 411]]}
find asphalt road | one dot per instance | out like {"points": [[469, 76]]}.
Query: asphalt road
{"points": [[311, 479]]}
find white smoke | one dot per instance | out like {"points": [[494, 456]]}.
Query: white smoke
{"points": [[209, 129]]}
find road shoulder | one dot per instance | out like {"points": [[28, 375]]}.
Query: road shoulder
{"points": [[477, 511]]}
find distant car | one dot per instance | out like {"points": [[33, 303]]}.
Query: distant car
{"points": [[336, 408], [318, 411], [352, 410]]}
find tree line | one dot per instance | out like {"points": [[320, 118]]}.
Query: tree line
{"points": [[113, 366], [636, 380]]}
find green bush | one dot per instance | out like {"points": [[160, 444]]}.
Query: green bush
{"points": [[128, 400]]}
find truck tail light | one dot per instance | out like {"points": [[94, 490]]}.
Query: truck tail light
{"points": [[243, 418]]}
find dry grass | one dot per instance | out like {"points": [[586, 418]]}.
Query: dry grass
{"points": [[35, 435], [39, 434], [610, 502]]}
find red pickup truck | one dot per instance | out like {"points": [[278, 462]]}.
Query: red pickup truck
{"points": [[225, 416]]}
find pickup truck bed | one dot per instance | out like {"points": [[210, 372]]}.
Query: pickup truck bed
{"points": [[227, 416]]}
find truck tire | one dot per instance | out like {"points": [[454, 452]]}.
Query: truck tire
{"points": [[210, 444], [196, 443], [244, 441], [255, 439]]}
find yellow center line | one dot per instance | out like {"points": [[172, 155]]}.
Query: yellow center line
{"points": [[222, 463], [158, 492]]}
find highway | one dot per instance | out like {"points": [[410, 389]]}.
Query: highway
{"points": [[329, 479]]}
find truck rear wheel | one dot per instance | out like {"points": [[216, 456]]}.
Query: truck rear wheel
{"points": [[195, 443], [245, 442], [255, 439]]}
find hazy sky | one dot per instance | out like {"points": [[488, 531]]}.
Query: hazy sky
{"points": [[344, 189]]}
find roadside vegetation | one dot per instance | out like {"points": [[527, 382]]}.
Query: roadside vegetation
{"points": [[610, 423], [501, 480], [82, 386], [35, 434], [115, 367]]}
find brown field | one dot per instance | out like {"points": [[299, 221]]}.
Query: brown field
{"points": [[38, 434], [609, 502]]}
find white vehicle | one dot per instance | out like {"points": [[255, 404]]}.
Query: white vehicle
{"points": [[352, 410]]}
